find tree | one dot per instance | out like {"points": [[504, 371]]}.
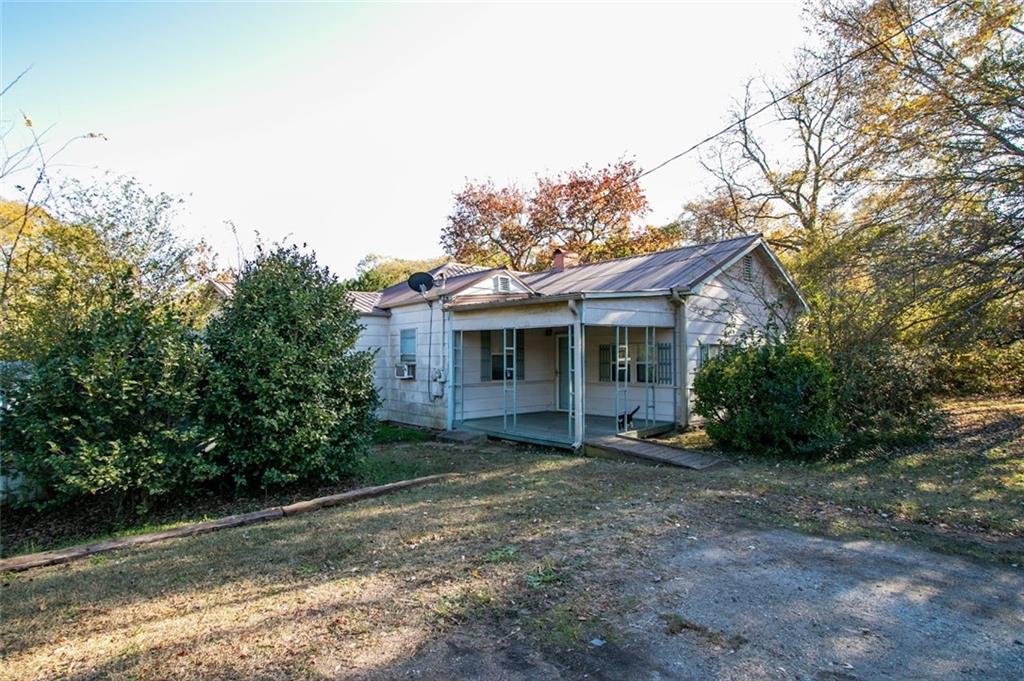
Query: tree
{"points": [[375, 272], [939, 108], [724, 214], [24, 165], [73, 253], [288, 396], [108, 415], [897, 188], [593, 213]]}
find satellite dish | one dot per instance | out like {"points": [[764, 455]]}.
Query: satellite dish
{"points": [[421, 282]]}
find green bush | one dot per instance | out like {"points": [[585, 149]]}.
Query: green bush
{"points": [[984, 368], [288, 398], [883, 395], [771, 398], [107, 414]]}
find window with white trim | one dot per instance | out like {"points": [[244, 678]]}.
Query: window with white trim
{"points": [[709, 351], [407, 346]]}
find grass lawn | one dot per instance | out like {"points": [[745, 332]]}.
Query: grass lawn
{"points": [[532, 542], [962, 493]]}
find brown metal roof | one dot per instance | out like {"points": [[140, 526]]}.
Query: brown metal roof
{"points": [[681, 268], [365, 302]]}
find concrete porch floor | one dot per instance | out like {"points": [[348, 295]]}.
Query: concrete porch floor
{"points": [[551, 427]]}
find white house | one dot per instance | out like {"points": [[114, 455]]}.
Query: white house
{"points": [[573, 352]]}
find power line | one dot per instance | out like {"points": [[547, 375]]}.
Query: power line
{"points": [[776, 100]]}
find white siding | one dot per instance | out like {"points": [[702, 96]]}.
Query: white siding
{"points": [[600, 397], [374, 337], [534, 316], [410, 400], [640, 311], [536, 392], [489, 287], [728, 306]]}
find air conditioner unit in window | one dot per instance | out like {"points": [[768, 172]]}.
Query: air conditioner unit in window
{"points": [[405, 371]]}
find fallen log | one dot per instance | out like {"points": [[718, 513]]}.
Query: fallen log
{"points": [[58, 556]]}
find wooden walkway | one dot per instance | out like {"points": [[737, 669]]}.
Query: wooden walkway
{"points": [[633, 448]]}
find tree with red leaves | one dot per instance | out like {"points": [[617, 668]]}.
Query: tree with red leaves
{"points": [[593, 213]]}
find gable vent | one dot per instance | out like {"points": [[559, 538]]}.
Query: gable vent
{"points": [[748, 268], [502, 284]]}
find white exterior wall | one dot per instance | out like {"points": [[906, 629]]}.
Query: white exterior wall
{"points": [[374, 337], [727, 306], [639, 311], [538, 315], [600, 397], [411, 400], [537, 390]]}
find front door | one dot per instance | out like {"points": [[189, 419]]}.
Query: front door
{"points": [[563, 373]]}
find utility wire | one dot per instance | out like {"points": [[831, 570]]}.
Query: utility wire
{"points": [[800, 88]]}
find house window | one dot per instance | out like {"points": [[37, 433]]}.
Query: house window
{"points": [[645, 366], [407, 346], [502, 284], [748, 268], [492, 355], [709, 351], [666, 362]]}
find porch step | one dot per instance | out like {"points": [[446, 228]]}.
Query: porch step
{"points": [[633, 448], [460, 436]]}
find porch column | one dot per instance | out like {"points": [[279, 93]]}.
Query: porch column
{"points": [[682, 364], [450, 383], [578, 380]]}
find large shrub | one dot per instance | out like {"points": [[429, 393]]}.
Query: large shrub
{"points": [[107, 414], [883, 395], [288, 397], [984, 368], [770, 398]]}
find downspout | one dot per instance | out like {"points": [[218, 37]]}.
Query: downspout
{"points": [[678, 300]]}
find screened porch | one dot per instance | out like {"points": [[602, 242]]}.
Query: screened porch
{"points": [[523, 384]]}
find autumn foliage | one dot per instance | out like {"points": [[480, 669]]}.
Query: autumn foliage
{"points": [[594, 213]]}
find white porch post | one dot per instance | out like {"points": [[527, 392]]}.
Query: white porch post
{"points": [[578, 380], [682, 363], [450, 384]]}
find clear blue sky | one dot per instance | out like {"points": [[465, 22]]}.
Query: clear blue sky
{"points": [[349, 126]]}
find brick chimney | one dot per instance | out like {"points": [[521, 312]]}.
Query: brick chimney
{"points": [[563, 259]]}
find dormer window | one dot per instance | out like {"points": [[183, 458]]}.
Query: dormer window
{"points": [[502, 284]]}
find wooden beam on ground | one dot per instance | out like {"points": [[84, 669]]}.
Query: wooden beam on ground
{"points": [[56, 557]]}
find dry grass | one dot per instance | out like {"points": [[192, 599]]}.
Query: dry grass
{"points": [[340, 591], [963, 493], [528, 540]]}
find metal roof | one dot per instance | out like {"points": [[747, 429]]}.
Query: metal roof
{"points": [[365, 302], [680, 268], [466, 275]]}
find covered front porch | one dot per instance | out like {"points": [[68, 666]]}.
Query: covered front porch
{"points": [[554, 428], [561, 384]]}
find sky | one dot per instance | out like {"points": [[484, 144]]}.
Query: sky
{"points": [[348, 127]]}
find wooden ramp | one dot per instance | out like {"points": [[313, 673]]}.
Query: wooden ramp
{"points": [[623, 446]]}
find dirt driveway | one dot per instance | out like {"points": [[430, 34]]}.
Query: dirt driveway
{"points": [[750, 604]]}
